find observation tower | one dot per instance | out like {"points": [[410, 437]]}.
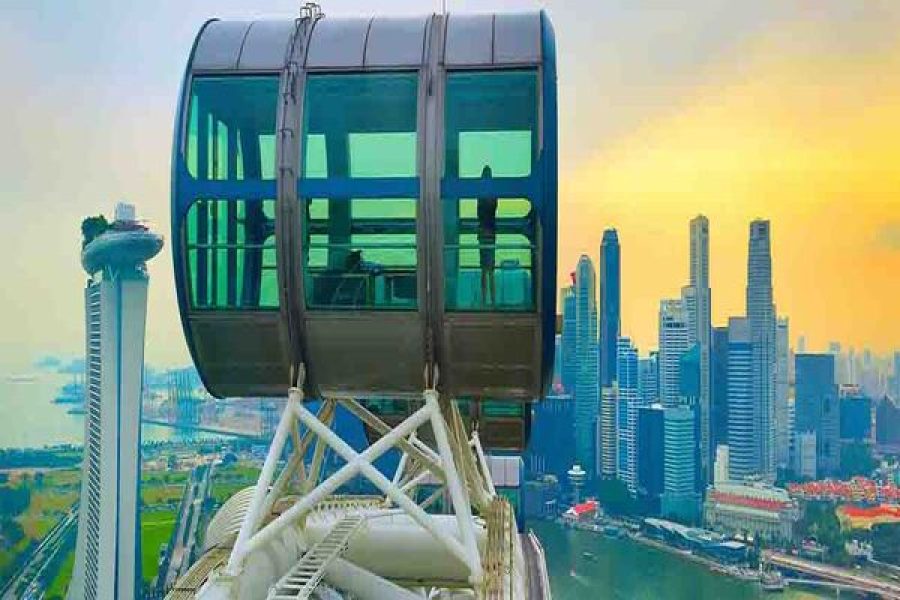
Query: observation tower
{"points": [[364, 214], [107, 556]]}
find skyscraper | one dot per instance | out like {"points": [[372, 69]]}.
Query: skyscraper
{"points": [[700, 321], [743, 449], [719, 401], [673, 342], [610, 304], [568, 339], [648, 377], [896, 387], [761, 319], [817, 409], [680, 499], [586, 371], [606, 432], [782, 389], [107, 558], [650, 456], [628, 404]]}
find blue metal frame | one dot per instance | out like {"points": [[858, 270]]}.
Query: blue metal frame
{"points": [[549, 207], [179, 175]]}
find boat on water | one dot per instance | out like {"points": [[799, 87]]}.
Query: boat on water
{"points": [[76, 410], [589, 555]]}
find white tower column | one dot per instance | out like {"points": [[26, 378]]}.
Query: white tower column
{"points": [[107, 558]]}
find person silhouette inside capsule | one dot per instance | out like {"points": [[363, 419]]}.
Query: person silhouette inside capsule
{"points": [[487, 241]]}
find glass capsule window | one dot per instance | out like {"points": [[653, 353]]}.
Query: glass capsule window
{"points": [[489, 262], [370, 262], [490, 236], [231, 254], [491, 120], [359, 190], [229, 241], [231, 128]]}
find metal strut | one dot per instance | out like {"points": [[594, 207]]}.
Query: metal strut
{"points": [[455, 463]]}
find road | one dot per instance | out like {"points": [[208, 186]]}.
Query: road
{"points": [[845, 577], [179, 553], [27, 584]]}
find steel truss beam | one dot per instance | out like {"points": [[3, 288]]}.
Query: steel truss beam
{"points": [[457, 465]]}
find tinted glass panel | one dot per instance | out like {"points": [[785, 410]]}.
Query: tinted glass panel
{"points": [[360, 252], [360, 125], [231, 254], [489, 254], [491, 119], [491, 127], [231, 128]]}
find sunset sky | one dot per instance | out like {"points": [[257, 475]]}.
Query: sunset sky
{"points": [[788, 111]]}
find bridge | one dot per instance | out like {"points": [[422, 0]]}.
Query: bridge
{"points": [[239, 433], [832, 576]]}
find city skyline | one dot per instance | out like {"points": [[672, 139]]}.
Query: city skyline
{"points": [[768, 114]]}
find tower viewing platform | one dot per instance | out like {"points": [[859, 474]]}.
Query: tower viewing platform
{"points": [[125, 243]]}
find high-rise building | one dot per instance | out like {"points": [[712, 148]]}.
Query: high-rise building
{"points": [[107, 556], [887, 421], [568, 340], [805, 454], [673, 342], [895, 389], [856, 417], [648, 378], [721, 465], [610, 305], [743, 448], [587, 401], [626, 420], [606, 432], [544, 454], [699, 310], [689, 387], [817, 409], [680, 499], [761, 319], [556, 383], [650, 456], [782, 390], [801, 344], [719, 400]]}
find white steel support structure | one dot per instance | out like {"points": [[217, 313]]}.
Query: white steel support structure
{"points": [[483, 553]]}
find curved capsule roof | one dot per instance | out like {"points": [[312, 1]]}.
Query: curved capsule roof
{"points": [[504, 39], [243, 210]]}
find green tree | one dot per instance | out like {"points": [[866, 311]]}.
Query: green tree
{"points": [[886, 542], [91, 227], [821, 523]]}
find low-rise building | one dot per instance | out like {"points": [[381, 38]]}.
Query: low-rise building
{"points": [[756, 509]]}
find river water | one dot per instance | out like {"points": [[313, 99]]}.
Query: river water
{"points": [[626, 570], [29, 419]]}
